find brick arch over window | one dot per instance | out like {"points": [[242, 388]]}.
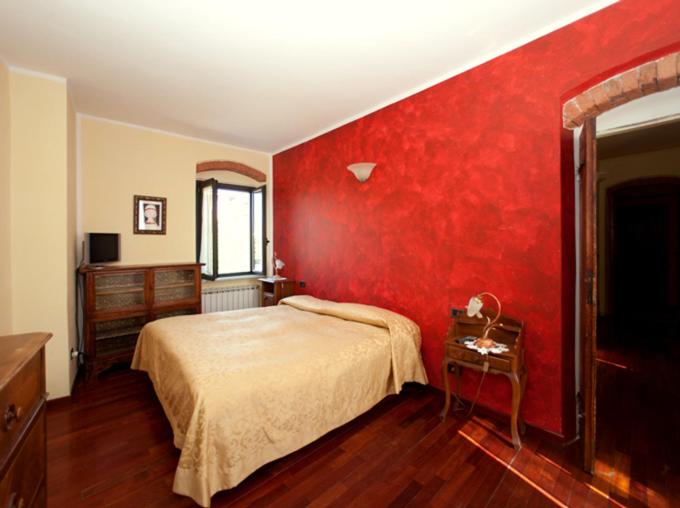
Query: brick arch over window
{"points": [[648, 78], [235, 167]]}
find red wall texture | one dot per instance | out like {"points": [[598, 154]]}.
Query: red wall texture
{"points": [[472, 192]]}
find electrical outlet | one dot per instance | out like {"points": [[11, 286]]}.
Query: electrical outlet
{"points": [[456, 312], [303, 284]]}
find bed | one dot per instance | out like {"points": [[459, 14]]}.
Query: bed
{"points": [[243, 388]]}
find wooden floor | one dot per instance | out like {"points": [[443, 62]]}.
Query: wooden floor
{"points": [[112, 446], [638, 425]]}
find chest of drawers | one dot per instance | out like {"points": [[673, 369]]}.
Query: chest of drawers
{"points": [[22, 420]]}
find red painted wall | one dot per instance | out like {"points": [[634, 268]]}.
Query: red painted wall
{"points": [[472, 192]]}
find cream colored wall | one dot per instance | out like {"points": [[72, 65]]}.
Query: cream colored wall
{"points": [[120, 160], [5, 220], [42, 167], [618, 170], [39, 201]]}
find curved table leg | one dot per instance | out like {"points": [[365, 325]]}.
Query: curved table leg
{"points": [[516, 398], [458, 404], [447, 395]]}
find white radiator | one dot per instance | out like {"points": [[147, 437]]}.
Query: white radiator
{"points": [[230, 298]]}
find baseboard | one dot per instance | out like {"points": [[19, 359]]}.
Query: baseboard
{"points": [[59, 402], [494, 414]]}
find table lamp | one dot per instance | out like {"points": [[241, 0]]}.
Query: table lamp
{"points": [[278, 265], [484, 344]]}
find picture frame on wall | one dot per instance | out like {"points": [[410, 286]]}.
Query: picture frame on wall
{"points": [[149, 215]]}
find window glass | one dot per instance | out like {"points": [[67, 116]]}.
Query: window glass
{"points": [[233, 231], [258, 231], [230, 241]]}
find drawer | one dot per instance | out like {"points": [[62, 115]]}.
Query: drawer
{"points": [[18, 399], [463, 354], [24, 479], [470, 356]]}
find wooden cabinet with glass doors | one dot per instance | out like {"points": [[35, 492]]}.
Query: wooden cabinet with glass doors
{"points": [[120, 300]]}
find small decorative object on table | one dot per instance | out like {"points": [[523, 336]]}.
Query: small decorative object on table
{"points": [[486, 341], [149, 214]]}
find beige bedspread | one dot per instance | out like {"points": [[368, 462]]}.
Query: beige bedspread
{"points": [[246, 387]]}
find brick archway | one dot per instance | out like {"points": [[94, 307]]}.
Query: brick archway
{"points": [[235, 167], [646, 79]]}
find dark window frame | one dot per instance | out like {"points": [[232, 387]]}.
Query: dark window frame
{"points": [[200, 185]]}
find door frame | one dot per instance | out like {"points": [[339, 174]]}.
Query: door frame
{"points": [[588, 304], [578, 110]]}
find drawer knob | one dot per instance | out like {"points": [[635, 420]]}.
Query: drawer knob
{"points": [[13, 413]]}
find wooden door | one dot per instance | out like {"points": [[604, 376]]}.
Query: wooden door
{"points": [[588, 275]]}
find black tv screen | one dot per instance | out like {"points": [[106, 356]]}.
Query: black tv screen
{"points": [[102, 247]]}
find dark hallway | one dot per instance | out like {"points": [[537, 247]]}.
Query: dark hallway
{"points": [[642, 253], [638, 415]]}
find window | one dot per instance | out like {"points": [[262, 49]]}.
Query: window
{"points": [[230, 229]]}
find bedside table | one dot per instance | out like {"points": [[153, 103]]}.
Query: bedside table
{"points": [[457, 356], [273, 290]]}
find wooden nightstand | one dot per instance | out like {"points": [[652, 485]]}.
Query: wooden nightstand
{"points": [[511, 364], [273, 290]]}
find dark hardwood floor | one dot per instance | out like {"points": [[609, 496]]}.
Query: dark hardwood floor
{"points": [[112, 446], [638, 426]]}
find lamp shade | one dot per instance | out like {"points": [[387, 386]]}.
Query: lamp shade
{"points": [[474, 307], [362, 170]]}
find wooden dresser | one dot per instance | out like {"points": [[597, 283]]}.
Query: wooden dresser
{"points": [[23, 460], [120, 300]]}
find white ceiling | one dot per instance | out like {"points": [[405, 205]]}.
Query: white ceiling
{"points": [[262, 74]]}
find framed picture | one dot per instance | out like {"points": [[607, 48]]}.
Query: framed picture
{"points": [[149, 215]]}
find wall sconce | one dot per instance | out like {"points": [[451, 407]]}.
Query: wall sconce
{"points": [[362, 170]]}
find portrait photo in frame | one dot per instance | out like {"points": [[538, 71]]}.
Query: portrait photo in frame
{"points": [[149, 215]]}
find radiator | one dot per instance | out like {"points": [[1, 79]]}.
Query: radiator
{"points": [[230, 298]]}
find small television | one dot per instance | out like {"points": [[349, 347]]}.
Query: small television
{"points": [[102, 248]]}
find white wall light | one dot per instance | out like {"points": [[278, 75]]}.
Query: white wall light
{"points": [[362, 170]]}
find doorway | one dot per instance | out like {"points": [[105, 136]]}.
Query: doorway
{"points": [[637, 350], [642, 251], [618, 112]]}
